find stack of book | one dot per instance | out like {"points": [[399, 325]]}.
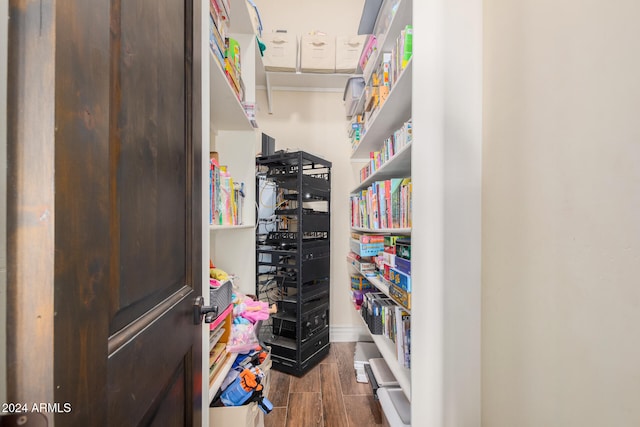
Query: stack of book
{"points": [[217, 352], [392, 145], [384, 317], [384, 204], [225, 50], [355, 131], [386, 73], [400, 54], [218, 29], [226, 196]]}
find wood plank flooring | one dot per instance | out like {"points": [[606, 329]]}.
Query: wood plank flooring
{"points": [[327, 396]]}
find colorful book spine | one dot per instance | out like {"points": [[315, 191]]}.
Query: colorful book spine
{"points": [[407, 46], [384, 204], [390, 147]]}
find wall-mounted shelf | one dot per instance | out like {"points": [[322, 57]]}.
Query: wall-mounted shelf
{"points": [[395, 167], [300, 82], [395, 231], [394, 112], [230, 227], [227, 111]]}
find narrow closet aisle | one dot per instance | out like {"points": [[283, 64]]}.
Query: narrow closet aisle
{"points": [[328, 395]]}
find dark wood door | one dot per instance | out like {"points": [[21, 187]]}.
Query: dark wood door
{"points": [[104, 211]]}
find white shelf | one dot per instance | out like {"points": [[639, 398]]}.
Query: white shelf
{"points": [[391, 116], [379, 284], [387, 349], [300, 82], [230, 227], [239, 18], [327, 82], [399, 166], [227, 113], [406, 231], [221, 375]]}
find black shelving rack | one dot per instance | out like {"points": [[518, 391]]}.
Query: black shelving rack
{"points": [[293, 260]]}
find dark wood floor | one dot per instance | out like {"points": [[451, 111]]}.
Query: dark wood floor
{"points": [[328, 395]]}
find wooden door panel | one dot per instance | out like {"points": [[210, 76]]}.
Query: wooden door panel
{"points": [[148, 43], [146, 348], [114, 204], [170, 410]]}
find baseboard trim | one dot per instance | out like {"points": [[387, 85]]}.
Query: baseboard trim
{"points": [[348, 333]]}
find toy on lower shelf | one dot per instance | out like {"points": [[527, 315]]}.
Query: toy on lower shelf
{"points": [[246, 312], [247, 388]]}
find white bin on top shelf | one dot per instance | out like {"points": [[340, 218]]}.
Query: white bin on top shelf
{"points": [[348, 50], [281, 53], [317, 53]]}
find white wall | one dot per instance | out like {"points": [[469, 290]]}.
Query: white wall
{"points": [[446, 207], [315, 122], [561, 214], [4, 16]]}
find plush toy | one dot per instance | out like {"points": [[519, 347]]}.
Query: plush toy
{"points": [[218, 274]]}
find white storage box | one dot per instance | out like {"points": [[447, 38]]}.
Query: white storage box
{"points": [[352, 93], [363, 352], [317, 54], [241, 416], [395, 406], [281, 53], [381, 372], [348, 50]]}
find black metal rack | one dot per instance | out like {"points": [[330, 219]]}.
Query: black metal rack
{"points": [[293, 260]]}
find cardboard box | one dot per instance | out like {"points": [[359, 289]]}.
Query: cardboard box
{"points": [[400, 279], [401, 296], [404, 265]]}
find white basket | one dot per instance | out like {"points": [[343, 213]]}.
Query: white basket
{"points": [[281, 53], [318, 54]]}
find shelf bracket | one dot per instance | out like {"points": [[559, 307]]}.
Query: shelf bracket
{"points": [[268, 82]]}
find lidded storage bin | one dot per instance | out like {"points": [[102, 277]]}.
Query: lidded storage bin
{"points": [[281, 53], [317, 53], [352, 93]]}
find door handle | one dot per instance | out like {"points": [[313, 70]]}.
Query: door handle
{"points": [[210, 312]]}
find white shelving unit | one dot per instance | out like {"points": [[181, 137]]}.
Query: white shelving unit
{"points": [[395, 111], [234, 137]]}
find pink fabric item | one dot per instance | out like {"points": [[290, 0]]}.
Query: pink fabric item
{"points": [[255, 310]]}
